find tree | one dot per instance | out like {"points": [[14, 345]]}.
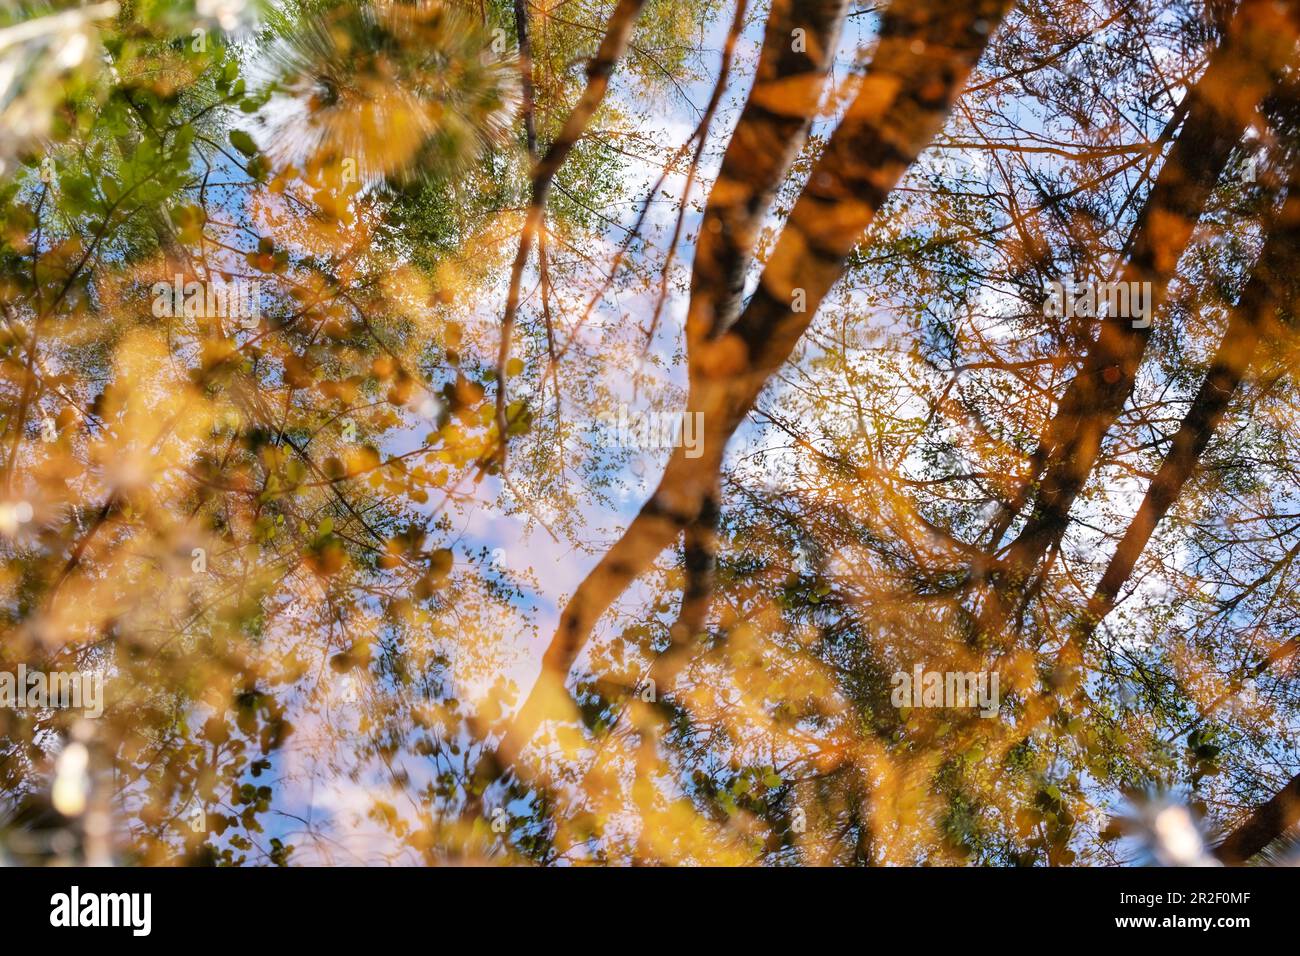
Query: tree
{"points": [[854, 534]]}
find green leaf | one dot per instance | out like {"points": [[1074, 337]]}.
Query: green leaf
{"points": [[243, 142]]}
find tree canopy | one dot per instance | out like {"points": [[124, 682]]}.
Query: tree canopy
{"points": [[649, 431]]}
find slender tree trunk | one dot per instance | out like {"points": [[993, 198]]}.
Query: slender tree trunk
{"points": [[1241, 73], [528, 105], [788, 88], [927, 48], [1267, 304], [599, 70]]}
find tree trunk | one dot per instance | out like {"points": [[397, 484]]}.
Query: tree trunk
{"points": [[1269, 821], [1241, 73], [927, 48]]}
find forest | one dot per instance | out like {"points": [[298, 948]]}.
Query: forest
{"points": [[650, 432]]}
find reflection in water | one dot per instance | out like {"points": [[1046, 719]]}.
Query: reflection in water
{"points": [[888, 561]]}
